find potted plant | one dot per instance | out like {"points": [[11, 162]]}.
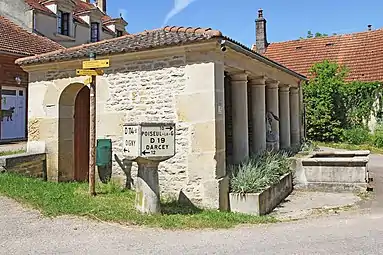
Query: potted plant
{"points": [[260, 183]]}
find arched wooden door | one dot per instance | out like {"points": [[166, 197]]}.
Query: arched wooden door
{"points": [[81, 135]]}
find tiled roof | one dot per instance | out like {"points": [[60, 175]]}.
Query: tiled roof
{"points": [[17, 40], [83, 6], [361, 53], [148, 40], [158, 38], [35, 4]]}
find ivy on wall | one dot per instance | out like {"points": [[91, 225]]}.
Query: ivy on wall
{"points": [[333, 105]]}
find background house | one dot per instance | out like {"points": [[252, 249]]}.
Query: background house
{"points": [[68, 22], [16, 42]]}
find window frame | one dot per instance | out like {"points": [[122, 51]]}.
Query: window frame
{"points": [[119, 33], [63, 23], [92, 29]]}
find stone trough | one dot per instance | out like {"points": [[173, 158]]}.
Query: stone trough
{"points": [[333, 171]]}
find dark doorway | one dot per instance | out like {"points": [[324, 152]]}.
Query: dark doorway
{"points": [[81, 135]]}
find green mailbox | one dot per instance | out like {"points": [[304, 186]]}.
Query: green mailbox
{"points": [[104, 152]]}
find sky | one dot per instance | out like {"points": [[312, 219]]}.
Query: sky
{"points": [[286, 20]]}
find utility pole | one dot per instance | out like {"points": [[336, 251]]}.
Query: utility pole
{"points": [[92, 138]]}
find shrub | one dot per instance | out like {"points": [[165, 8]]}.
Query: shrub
{"points": [[356, 135], [258, 172], [377, 138], [332, 104]]}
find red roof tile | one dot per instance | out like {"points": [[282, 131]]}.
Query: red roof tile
{"points": [[17, 40], [147, 40], [361, 53], [35, 4]]}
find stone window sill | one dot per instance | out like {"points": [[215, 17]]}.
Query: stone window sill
{"points": [[65, 37]]}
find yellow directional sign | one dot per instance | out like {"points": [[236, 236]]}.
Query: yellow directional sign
{"points": [[89, 72], [95, 64], [88, 80]]}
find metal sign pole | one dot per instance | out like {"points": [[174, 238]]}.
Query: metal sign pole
{"points": [[92, 140]]}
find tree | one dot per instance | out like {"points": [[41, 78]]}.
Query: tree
{"points": [[317, 35], [324, 112]]}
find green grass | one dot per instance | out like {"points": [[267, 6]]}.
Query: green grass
{"points": [[6, 153], [114, 204], [347, 146]]}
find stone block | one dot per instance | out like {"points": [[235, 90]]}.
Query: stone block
{"points": [[36, 147], [104, 120], [203, 137], [201, 166], [332, 171], [48, 128], [27, 164], [198, 107]]}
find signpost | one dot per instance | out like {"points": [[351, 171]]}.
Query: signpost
{"points": [[155, 141], [102, 63], [89, 72], [89, 69], [148, 144]]}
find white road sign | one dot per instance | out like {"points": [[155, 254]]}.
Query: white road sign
{"points": [[157, 141], [152, 141], [131, 141]]}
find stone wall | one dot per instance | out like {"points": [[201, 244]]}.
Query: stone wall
{"points": [[30, 165], [146, 91]]}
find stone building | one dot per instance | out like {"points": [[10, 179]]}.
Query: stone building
{"points": [[217, 91]]}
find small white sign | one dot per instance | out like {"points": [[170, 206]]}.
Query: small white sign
{"points": [[149, 140], [131, 141], [158, 141]]}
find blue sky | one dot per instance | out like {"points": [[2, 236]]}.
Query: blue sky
{"points": [[286, 20]]}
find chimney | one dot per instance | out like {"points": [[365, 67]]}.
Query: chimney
{"points": [[260, 33], [101, 5], [369, 27]]}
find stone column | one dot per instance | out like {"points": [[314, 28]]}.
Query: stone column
{"points": [[294, 116], [258, 114], [240, 117], [147, 187], [284, 116], [272, 113]]}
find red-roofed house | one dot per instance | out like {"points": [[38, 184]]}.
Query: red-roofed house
{"points": [[68, 22], [361, 53], [16, 42]]}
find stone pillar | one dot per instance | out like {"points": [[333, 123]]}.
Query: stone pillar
{"points": [[258, 114], [302, 117], [147, 187], [284, 116], [272, 112], [294, 116], [240, 117]]}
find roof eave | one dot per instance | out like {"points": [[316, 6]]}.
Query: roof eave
{"points": [[252, 54]]}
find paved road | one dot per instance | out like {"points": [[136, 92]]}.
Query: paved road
{"points": [[26, 232]]}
